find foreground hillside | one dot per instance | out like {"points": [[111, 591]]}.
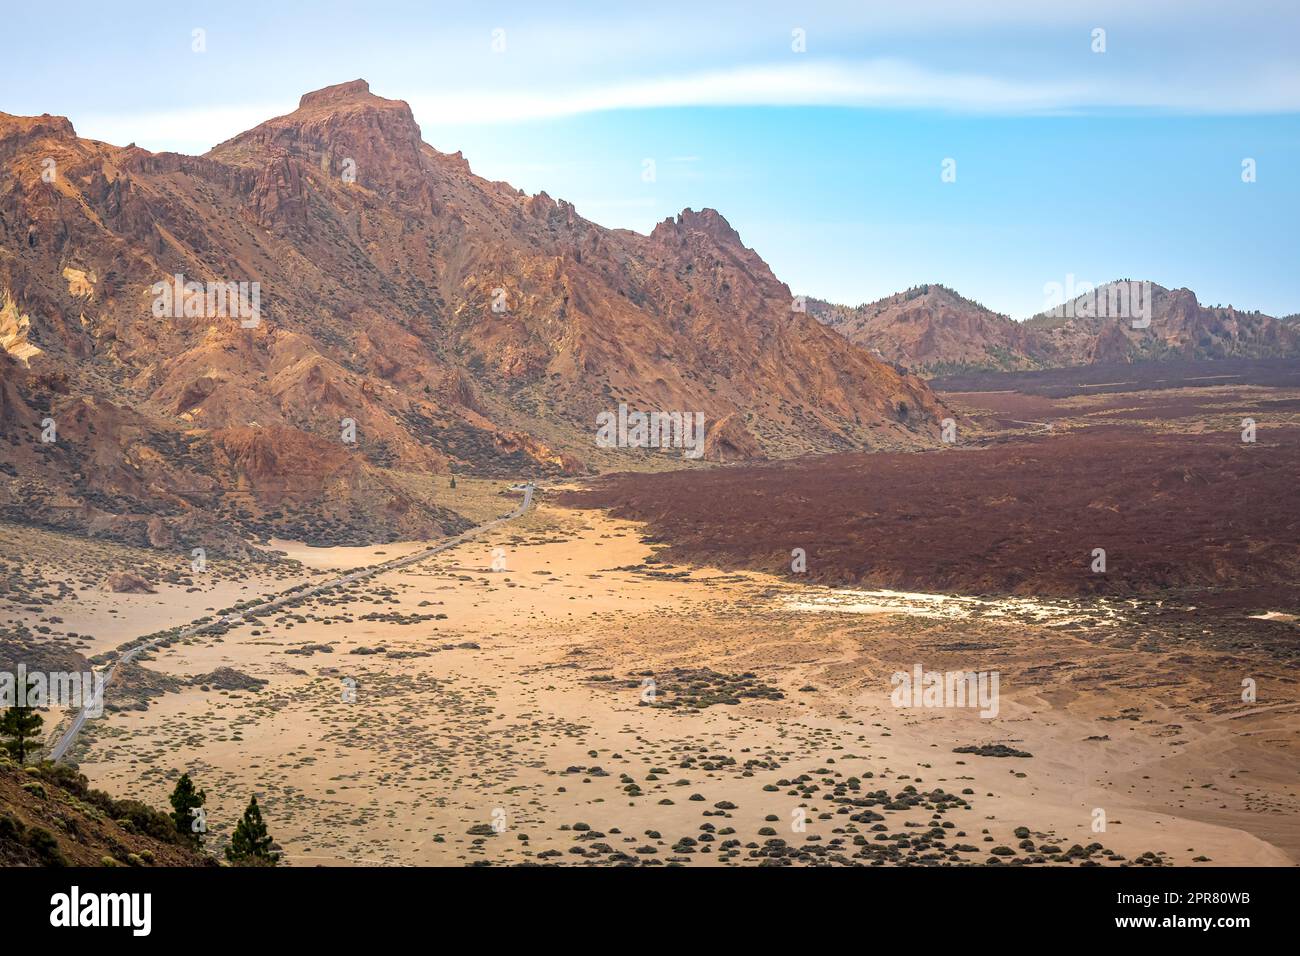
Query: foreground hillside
{"points": [[934, 331], [50, 816], [458, 324]]}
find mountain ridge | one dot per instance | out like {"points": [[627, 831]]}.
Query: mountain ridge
{"points": [[458, 323], [933, 330]]}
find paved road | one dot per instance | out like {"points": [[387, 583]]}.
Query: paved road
{"points": [[66, 741]]}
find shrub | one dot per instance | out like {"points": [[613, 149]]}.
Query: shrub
{"points": [[46, 847]]}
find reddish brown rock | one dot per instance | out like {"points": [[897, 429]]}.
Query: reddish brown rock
{"points": [[456, 322], [729, 440], [126, 582], [934, 331]]}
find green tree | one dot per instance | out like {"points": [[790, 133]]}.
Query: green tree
{"points": [[453, 481], [251, 844], [21, 726], [185, 799]]}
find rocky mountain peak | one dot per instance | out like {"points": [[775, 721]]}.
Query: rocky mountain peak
{"points": [[336, 94], [345, 131], [35, 127], [709, 222]]}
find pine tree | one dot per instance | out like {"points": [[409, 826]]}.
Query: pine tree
{"points": [[184, 799], [453, 481], [251, 844], [22, 725]]}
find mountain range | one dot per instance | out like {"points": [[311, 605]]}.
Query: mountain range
{"points": [[932, 330], [293, 333]]}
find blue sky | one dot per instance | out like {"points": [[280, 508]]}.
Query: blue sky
{"points": [[1100, 165]]}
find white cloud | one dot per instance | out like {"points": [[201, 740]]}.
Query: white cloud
{"points": [[880, 83]]}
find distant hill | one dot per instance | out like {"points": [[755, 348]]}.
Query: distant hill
{"points": [[934, 331]]}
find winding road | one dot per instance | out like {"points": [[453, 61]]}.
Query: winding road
{"points": [[69, 737]]}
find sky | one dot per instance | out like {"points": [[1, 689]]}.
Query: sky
{"points": [[861, 148]]}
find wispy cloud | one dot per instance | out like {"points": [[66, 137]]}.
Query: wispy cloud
{"points": [[878, 83]]}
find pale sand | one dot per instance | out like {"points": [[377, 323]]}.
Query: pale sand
{"points": [[63, 578], [334, 559], [107, 620], [171, 606], [434, 745]]}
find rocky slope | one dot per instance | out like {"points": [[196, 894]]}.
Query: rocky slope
{"points": [[49, 816], [1181, 328], [934, 331], [931, 330], [457, 323]]}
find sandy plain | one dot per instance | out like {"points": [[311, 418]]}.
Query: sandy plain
{"points": [[518, 728]]}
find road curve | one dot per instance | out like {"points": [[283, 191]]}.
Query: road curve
{"points": [[69, 737]]}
